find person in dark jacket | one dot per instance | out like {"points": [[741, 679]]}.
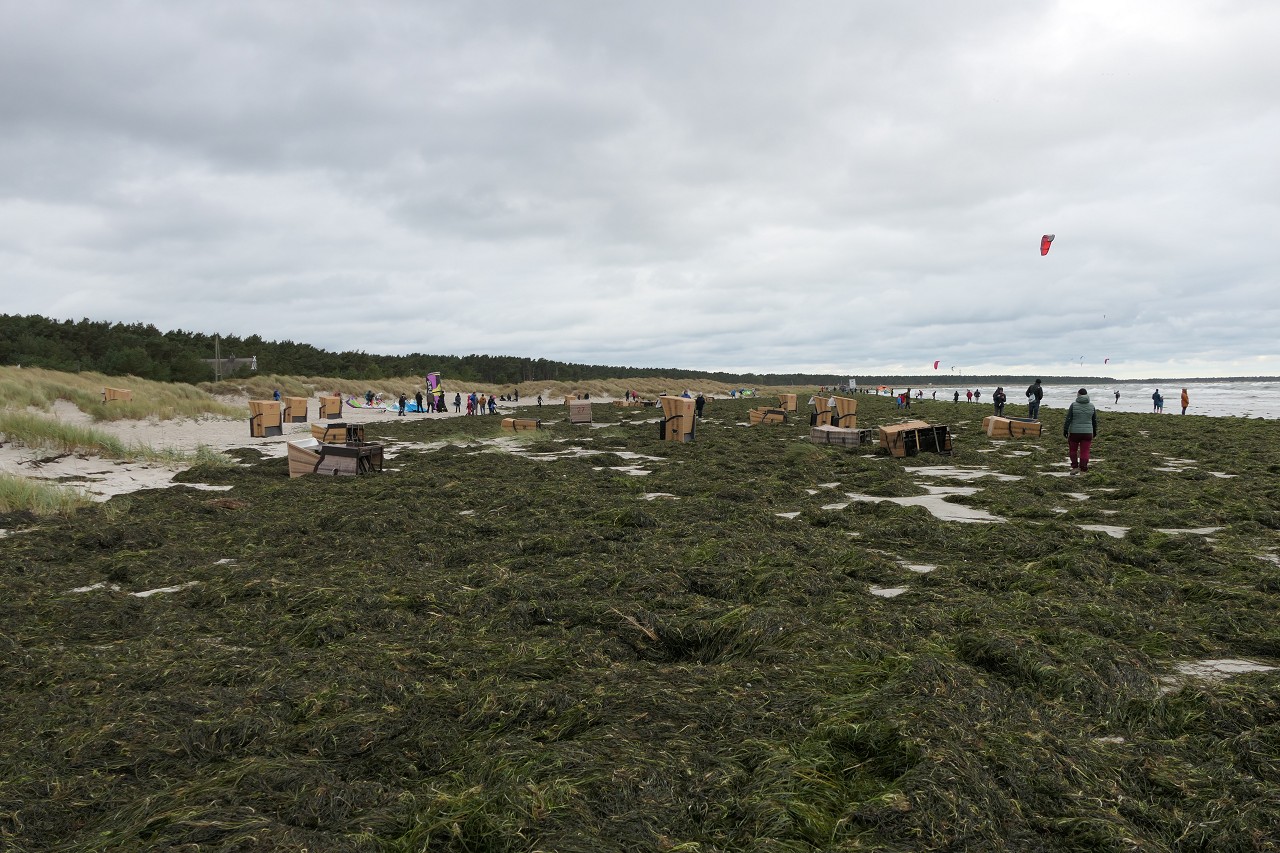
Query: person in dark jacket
{"points": [[417, 398], [1034, 394], [998, 399], [1079, 428], [698, 403]]}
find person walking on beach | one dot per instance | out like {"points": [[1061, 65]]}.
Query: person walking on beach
{"points": [[1079, 428], [1157, 402], [1117, 395], [403, 402], [698, 404], [457, 403], [417, 398], [968, 395], [493, 405], [1186, 401], [1035, 393], [998, 399]]}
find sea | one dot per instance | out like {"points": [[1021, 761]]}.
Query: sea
{"points": [[1241, 398]]}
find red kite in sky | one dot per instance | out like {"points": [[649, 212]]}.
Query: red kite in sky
{"points": [[1044, 244]]}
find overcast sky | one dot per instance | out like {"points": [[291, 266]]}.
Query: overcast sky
{"points": [[847, 187]]}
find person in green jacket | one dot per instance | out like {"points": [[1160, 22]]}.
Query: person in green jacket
{"points": [[1079, 429]]}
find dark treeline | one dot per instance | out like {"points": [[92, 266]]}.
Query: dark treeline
{"points": [[142, 350]]}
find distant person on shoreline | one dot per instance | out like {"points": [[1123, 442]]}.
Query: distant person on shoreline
{"points": [[1186, 401], [998, 399], [956, 397], [1034, 394], [1079, 428], [1157, 402], [1117, 396]]}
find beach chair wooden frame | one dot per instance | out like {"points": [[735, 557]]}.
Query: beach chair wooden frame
{"points": [[678, 420], [124, 395], [521, 424], [846, 413], [821, 414], [764, 415], [908, 439], [579, 411], [295, 410], [264, 419], [788, 402], [996, 426], [330, 407]]}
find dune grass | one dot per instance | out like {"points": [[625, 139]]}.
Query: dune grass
{"points": [[25, 387], [22, 494], [482, 651]]}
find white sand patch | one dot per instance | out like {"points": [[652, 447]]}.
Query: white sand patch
{"points": [[467, 512], [1110, 530], [1220, 668], [1201, 531], [919, 568], [787, 514], [629, 470], [936, 503], [1222, 476], [952, 472], [888, 591], [1080, 496], [1059, 510], [1015, 453], [827, 485], [161, 590], [225, 561], [1109, 739], [1109, 512], [810, 491], [835, 507], [653, 496], [96, 586]]}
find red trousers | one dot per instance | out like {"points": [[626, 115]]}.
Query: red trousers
{"points": [[1078, 449]]}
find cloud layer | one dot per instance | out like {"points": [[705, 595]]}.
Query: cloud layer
{"points": [[833, 186]]}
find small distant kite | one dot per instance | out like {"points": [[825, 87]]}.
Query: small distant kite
{"points": [[1105, 360], [936, 363], [1044, 244]]}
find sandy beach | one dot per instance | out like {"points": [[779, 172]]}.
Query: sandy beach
{"points": [[101, 478]]}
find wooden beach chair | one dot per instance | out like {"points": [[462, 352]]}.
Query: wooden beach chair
{"points": [[841, 436], [295, 410], [309, 456], [787, 402], [521, 424], [264, 419], [338, 433], [678, 420], [330, 407], [579, 411], [821, 414], [908, 439], [764, 415], [121, 394], [846, 414], [1001, 427]]}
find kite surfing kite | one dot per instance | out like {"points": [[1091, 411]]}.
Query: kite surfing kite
{"points": [[936, 363], [1044, 244]]}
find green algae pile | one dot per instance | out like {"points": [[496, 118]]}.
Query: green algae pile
{"points": [[521, 643]]}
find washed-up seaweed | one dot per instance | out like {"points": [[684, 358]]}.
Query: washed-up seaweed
{"points": [[496, 645]]}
